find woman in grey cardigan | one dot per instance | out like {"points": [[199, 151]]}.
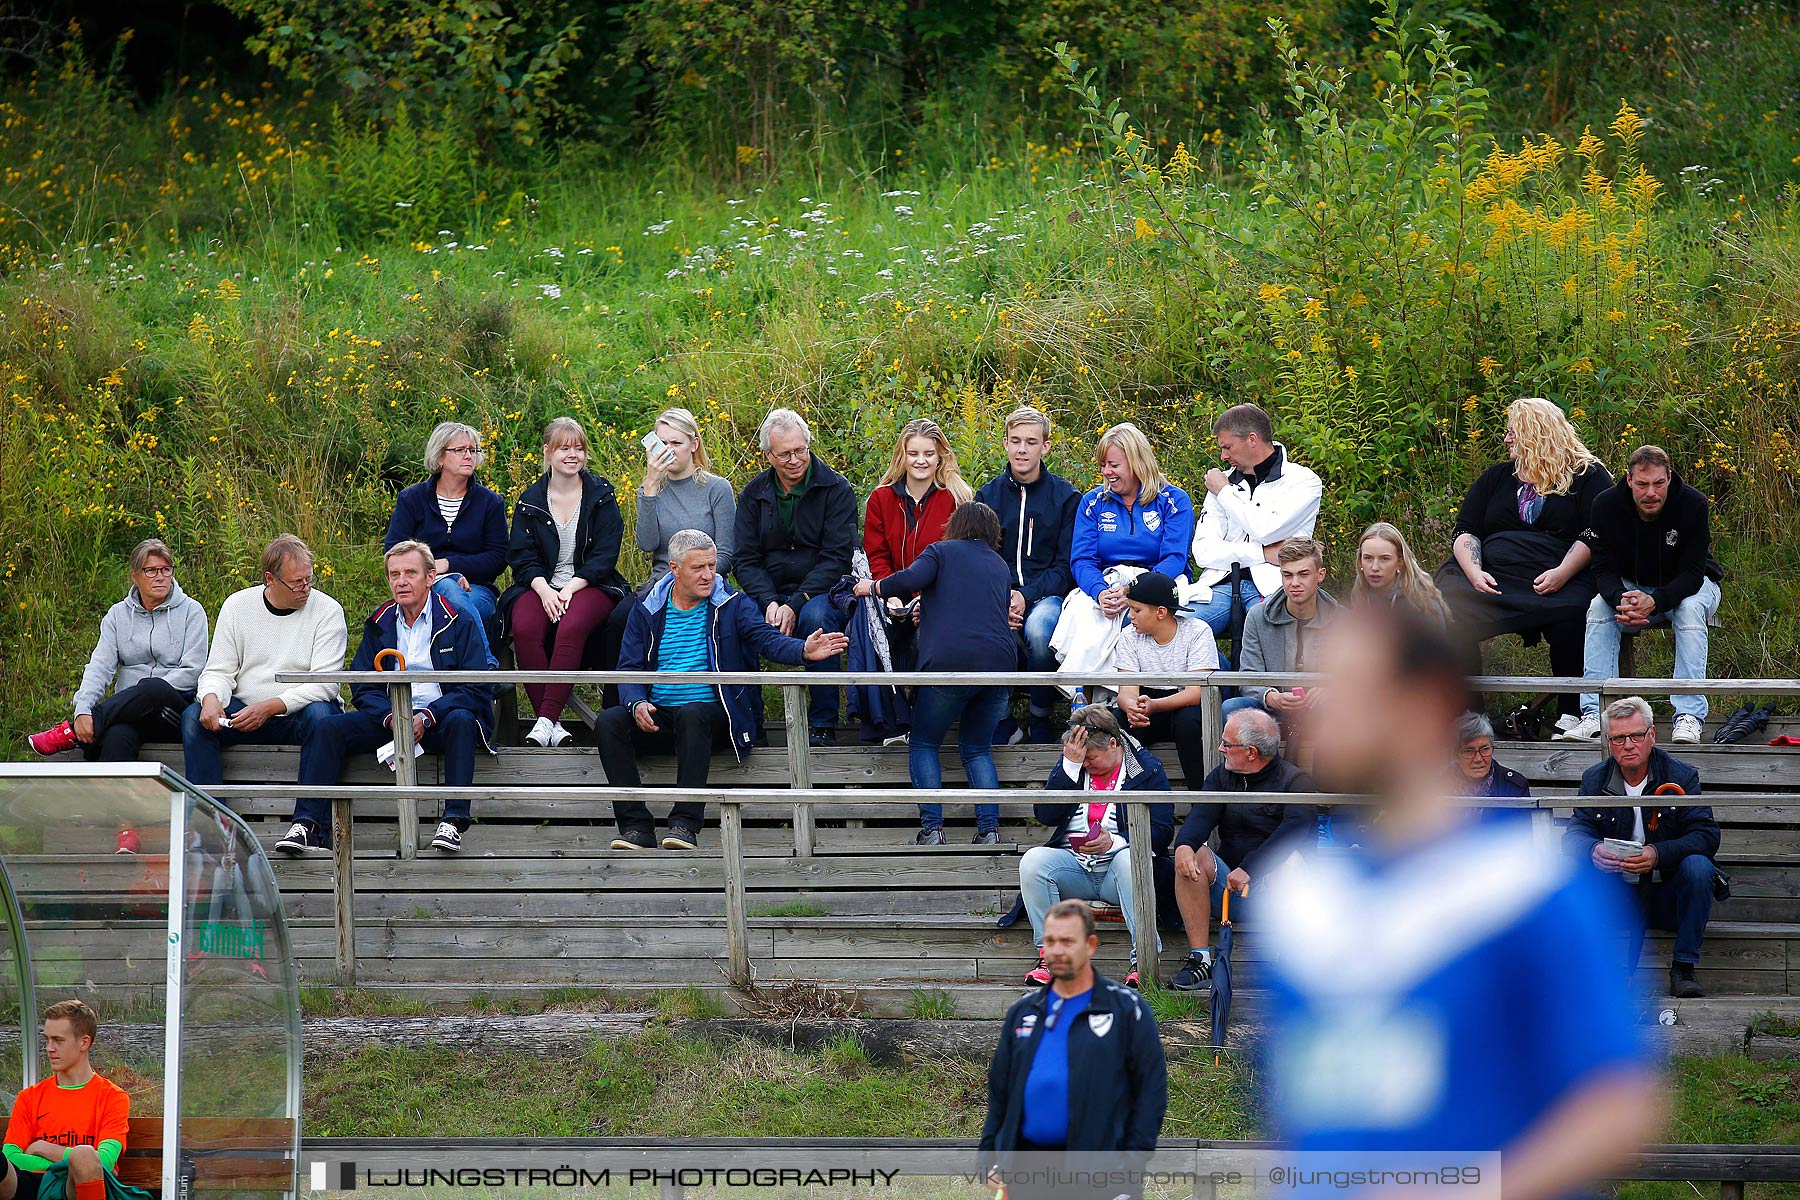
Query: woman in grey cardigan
{"points": [[680, 491], [152, 646]]}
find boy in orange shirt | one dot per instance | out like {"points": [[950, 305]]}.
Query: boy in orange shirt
{"points": [[74, 1116]]}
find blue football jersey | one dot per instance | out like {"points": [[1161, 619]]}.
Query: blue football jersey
{"points": [[1445, 997]]}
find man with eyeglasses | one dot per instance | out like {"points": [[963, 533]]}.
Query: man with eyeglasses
{"points": [[283, 625], [1078, 1084], [1664, 853], [1253, 838], [796, 534]]}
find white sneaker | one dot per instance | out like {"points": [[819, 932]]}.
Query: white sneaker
{"points": [[1585, 730], [1687, 729], [1567, 721], [558, 735], [448, 838], [541, 732]]}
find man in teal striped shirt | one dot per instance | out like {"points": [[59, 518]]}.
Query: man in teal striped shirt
{"points": [[689, 621]]}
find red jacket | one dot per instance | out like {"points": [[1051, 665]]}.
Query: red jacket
{"points": [[895, 530]]}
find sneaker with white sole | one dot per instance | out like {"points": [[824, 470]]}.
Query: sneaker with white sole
{"points": [[1567, 721], [1687, 729], [301, 839], [558, 735], [1585, 730], [541, 732], [448, 837]]}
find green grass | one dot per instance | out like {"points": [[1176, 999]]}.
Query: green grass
{"points": [[691, 1003], [214, 354], [799, 907], [929, 1004]]}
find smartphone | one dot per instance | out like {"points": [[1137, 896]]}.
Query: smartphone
{"points": [[656, 448]]}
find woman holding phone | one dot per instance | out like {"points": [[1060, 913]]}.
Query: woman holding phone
{"points": [[680, 491]]}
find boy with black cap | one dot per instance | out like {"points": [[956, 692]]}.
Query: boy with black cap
{"points": [[1157, 640]]}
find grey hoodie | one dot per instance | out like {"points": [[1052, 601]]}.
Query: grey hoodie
{"points": [[167, 642], [1269, 642]]}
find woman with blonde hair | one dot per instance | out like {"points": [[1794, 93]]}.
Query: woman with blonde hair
{"points": [[909, 508], [564, 556], [1518, 563], [680, 491], [1387, 572], [1135, 521]]}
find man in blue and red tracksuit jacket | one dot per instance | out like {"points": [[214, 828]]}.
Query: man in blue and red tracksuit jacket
{"points": [[1078, 1085]]}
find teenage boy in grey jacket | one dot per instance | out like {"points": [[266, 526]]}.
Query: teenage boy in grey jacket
{"points": [[1280, 633]]}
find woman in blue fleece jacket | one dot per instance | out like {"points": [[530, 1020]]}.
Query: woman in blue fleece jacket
{"points": [[1134, 517]]}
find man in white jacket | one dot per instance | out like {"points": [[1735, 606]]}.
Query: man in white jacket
{"points": [[1265, 499], [284, 625]]}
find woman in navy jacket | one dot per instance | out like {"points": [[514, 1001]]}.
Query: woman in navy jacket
{"points": [[566, 534], [965, 595], [462, 521]]}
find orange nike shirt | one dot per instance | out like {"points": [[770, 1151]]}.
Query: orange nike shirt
{"points": [[95, 1112]]}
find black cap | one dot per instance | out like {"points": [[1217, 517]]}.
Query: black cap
{"points": [[1154, 588]]}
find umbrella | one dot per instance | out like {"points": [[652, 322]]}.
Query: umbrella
{"points": [[1221, 979]]}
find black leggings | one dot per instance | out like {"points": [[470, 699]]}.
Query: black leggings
{"points": [[148, 711]]}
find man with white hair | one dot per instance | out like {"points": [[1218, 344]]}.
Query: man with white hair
{"points": [[1663, 852], [796, 533], [689, 621], [455, 719], [1252, 837]]}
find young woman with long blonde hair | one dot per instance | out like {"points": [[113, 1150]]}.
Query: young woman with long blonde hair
{"points": [[1387, 572]]}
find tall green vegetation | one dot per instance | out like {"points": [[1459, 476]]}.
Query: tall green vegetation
{"points": [[235, 312]]}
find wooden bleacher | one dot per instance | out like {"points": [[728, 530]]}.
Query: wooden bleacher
{"points": [[536, 900]]}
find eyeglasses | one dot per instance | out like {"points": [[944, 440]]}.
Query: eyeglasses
{"points": [[157, 572], [1628, 739], [1223, 745], [789, 456], [471, 451], [1477, 752], [296, 585]]}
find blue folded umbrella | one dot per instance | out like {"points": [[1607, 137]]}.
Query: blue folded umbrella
{"points": [[1221, 978]]}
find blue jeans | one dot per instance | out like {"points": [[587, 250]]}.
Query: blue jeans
{"points": [[1216, 612], [1050, 873], [1040, 623], [933, 709], [479, 603], [1680, 905], [1240, 702], [330, 739], [201, 747], [1600, 652], [818, 613]]}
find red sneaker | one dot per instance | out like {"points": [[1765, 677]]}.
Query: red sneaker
{"points": [[1131, 978], [53, 740], [128, 841], [1038, 976]]}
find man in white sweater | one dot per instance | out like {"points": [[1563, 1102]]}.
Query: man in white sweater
{"points": [[284, 625]]}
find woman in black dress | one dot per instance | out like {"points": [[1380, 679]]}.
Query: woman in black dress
{"points": [[1519, 565]]}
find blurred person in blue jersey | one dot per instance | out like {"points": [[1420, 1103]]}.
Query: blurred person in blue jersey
{"points": [[1452, 988]]}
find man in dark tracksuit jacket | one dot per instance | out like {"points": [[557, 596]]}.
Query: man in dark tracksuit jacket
{"points": [[1037, 528], [796, 533], [1652, 544], [736, 638], [1079, 1070], [457, 721], [1674, 873]]}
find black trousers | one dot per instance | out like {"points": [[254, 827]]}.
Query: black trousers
{"points": [[691, 732], [1183, 726], [148, 711]]}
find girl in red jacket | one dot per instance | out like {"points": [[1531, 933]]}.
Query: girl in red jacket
{"points": [[908, 510]]}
